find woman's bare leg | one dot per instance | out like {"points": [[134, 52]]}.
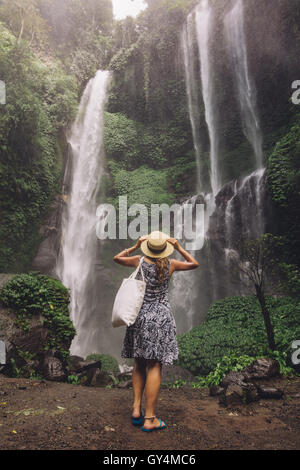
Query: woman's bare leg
{"points": [[152, 388], [138, 384]]}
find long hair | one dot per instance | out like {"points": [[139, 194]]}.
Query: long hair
{"points": [[161, 266]]}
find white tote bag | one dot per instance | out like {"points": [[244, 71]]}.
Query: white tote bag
{"points": [[129, 299]]}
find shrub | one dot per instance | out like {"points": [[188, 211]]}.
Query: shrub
{"points": [[234, 327], [38, 294]]}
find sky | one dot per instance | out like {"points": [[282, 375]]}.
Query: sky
{"points": [[123, 8]]}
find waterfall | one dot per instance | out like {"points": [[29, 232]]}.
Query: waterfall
{"points": [[237, 48], [236, 209], [192, 92], [76, 261], [204, 28]]}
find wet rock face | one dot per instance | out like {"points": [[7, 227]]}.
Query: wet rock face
{"points": [[241, 388], [33, 341], [50, 231]]}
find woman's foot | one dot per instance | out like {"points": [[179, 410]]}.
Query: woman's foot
{"points": [[150, 423], [136, 412]]}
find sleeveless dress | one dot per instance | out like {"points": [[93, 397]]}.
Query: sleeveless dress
{"points": [[153, 335]]}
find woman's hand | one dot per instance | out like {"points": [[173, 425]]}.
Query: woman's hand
{"points": [[174, 242], [140, 240]]}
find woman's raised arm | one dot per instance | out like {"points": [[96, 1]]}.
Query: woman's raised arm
{"points": [[187, 265], [124, 257]]}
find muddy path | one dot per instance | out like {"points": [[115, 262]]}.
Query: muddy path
{"points": [[50, 415]]}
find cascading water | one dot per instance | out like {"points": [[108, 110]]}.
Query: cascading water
{"points": [[192, 92], [204, 29], [236, 209], [237, 48], [76, 262]]}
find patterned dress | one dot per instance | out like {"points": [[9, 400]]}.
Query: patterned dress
{"points": [[153, 335]]}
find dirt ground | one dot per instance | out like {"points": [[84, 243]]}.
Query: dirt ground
{"points": [[50, 415]]}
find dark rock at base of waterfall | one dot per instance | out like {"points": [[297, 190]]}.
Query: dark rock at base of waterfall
{"points": [[237, 390], [236, 394], [216, 390], [263, 368], [99, 378], [52, 369], [124, 376], [174, 373], [78, 365], [124, 384], [240, 388], [50, 232], [269, 392], [33, 341]]}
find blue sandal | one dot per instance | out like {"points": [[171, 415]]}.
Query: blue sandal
{"points": [[157, 428], [138, 421]]}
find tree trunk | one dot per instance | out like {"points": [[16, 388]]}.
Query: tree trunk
{"points": [[266, 314], [21, 32]]}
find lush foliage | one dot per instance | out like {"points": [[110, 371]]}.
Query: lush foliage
{"points": [[234, 327], [41, 101], [284, 185], [234, 363], [37, 294]]}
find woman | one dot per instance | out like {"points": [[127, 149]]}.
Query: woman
{"points": [[151, 340]]}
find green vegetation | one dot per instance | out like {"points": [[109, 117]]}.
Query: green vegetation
{"points": [[41, 101], [108, 363], [234, 363], [36, 294], [284, 185], [234, 327], [153, 157], [74, 379]]}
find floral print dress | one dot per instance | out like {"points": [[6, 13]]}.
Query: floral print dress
{"points": [[153, 335]]}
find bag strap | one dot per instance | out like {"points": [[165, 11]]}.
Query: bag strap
{"points": [[135, 273]]}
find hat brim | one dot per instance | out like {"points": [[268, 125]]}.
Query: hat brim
{"points": [[164, 254]]}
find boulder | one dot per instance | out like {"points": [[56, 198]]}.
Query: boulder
{"points": [[52, 369], [73, 362], [237, 378], [124, 376], [216, 390], [78, 365], [125, 384], [263, 368], [240, 387], [100, 378], [32, 341], [269, 392], [236, 390]]}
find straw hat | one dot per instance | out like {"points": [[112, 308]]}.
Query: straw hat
{"points": [[157, 246]]}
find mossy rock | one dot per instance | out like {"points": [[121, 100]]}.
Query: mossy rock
{"points": [[108, 363]]}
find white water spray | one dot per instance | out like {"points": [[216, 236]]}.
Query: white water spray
{"points": [[237, 48], [75, 266]]}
